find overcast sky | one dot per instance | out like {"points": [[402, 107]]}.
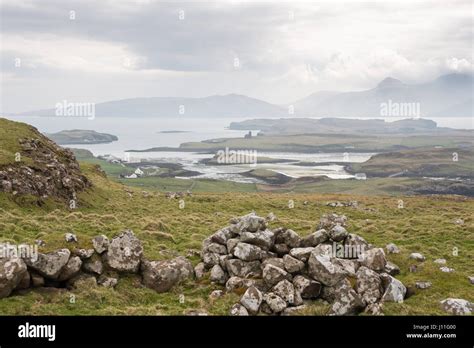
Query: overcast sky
{"points": [[279, 52]]}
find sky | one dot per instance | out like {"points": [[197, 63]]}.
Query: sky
{"points": [[95, 51]]}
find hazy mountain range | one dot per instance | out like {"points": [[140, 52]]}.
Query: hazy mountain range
{"points": [[447, 96]]}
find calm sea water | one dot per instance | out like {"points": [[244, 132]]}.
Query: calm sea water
{"points": [[143, 133]]}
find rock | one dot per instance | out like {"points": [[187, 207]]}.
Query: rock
{"points": [[459, 221], [391, 268], [272, 275], [338, 233], [322, 269], [301, 254], [346, 301], [218, 275], [446, 269], [100, 243], [315, 238], [36, 280], [275, 261], [307, 288], [222, 261], [40, 242], [199, 270], [328, 221], [70, 237], [290, 311], [222, 236], [349, 266], [83, 253], [124, 252], [216, 294], [417, 257], [25, 282], [263, 239], [392, 248], [440, 261], [286, 291], [210, 259], [243, 269], [328, 293], [354, 246], [249, 223], [217, 248], [292, 265], [471, 279], [247, 252], [231, 244], [108, 282], [161, 276], [271, 217], [251, 299], [93, 265], [368, 285], [457, 306], [373, 259], [49, 265], [238, 310], [288, 237], [394, 289], [235, 283], [275, 302], [413, 268], [423, 285], [71, 269], [281, 249]]}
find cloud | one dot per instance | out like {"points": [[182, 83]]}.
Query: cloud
{"points": [[283, 50]]}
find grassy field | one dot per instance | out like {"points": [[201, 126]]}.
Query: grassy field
{"points": [[425, 224]]}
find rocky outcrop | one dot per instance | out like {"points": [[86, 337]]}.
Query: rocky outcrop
{"points": [[276, 271], [39, 167], [89, 267]]}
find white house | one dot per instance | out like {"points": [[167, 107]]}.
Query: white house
{"points": [[139, 172], [360, 176]]}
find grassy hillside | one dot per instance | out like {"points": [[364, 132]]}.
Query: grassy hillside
{"points": [[424, 225]]}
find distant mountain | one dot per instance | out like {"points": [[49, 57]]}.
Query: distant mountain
{"points": [[226, 106], [449, 95]]}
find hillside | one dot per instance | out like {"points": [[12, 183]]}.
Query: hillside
{"points": [[33, 165]]}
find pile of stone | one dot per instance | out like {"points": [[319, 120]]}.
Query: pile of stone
{"points": [[54, 172], [278, 271], [338, 204], [22, 268]]}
